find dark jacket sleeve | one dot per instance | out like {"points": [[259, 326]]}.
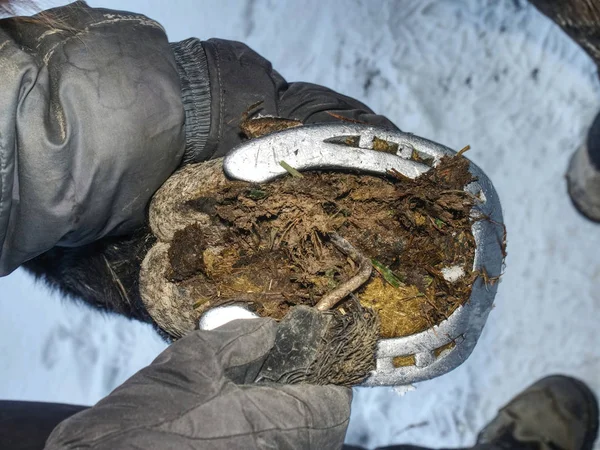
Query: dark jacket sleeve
{"points": [[92, 123]]}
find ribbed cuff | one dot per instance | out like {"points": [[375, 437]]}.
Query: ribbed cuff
{"points": [[195, 95]]}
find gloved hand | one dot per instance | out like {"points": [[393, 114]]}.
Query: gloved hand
{"points": [[199, 394], [235, 77]]}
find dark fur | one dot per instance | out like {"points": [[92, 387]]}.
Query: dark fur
{"points": [[94, 273]]}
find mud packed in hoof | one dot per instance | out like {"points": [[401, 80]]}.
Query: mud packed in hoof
{"points": [[399, 246]]}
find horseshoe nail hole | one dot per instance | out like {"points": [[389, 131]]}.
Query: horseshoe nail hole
{"points": [[445, 348], [348, 141], [421, 157], [381, 145], [404, 361]]}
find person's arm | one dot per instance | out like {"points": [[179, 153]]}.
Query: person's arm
{"points": [[92, 123]]}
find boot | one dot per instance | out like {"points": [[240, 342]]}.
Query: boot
{"points": [[580, 19], [583, 176], [556, 413]]}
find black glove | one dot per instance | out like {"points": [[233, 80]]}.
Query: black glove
{"points": [[199, 394], [238, 77]]}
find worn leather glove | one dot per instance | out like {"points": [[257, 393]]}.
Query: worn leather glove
{"points": [[200, 394]]}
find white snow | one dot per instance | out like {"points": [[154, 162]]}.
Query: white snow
{"points": [[493, 74], [453, 273], [216, 317]]}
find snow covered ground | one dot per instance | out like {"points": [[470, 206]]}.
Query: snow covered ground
{"points": [[493, 74]]}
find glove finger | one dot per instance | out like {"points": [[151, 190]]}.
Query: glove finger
{"points": [[242, 342], [235, 350], [236, 343]]}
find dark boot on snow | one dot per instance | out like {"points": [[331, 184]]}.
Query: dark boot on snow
{"points": [[583, 176], [556, 413]]}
